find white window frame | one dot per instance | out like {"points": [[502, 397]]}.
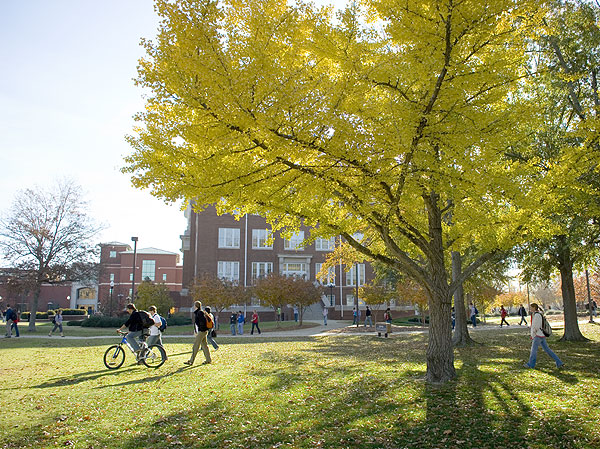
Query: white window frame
{"points": [[350, 282], [229, 270], [112, 277], [112, 254], [330, 279], [149, 269], [260, 269], [262, 239], [164, 277], [294, 243], [229, 238], [301, 271], [325, 244]]}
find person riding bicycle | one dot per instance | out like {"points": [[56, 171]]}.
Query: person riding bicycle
{"points": [[135, 325]]}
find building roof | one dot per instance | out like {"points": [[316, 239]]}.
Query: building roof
{"points": [[114, 244], [150, 251]]}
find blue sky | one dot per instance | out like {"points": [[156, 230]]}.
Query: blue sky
{"points": [[67, 99], [66, 102]]}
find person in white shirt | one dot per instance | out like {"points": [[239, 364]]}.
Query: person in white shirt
{"points": [[539, 339], [155, 337]]}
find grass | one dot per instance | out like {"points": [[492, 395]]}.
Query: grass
{"points": [[330, 392]]}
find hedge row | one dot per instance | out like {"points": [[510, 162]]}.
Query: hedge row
{"points": [[111, 321], [51, 313]]}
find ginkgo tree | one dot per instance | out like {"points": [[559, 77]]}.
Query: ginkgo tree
{"points": [[388, 118]]}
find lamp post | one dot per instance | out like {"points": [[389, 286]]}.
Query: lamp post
{"points": [[331, 302], [134, 240], [587, 282], [112, 285]]}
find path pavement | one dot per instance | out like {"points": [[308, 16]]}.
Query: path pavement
{"points": [[333, 328]]}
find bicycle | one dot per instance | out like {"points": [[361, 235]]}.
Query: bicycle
{"points": [[153, 356]]}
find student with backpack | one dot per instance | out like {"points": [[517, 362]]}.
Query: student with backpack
{"points": [[211, 334], [540, 330], [156, 330], [522, 314], [138, 321], [202, 324], [11, 317], [57, 321]]}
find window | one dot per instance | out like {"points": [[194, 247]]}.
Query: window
{"points": [[228, 270], [86, 293], [350, 302], [112, 277], [261, 269], [261, 239], [325, 244], [131, 276], [164, 277], [112, 254], [328, 279], [229, 238], [148, 270], [295, 242], [294, 269], [351, 275], [130, 293]]}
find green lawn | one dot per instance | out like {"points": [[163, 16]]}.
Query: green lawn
{"points": [[330, 392]]}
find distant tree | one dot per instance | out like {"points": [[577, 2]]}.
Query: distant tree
{"points": [[303, 293], [151, 294], [508, 300], [376, 294], [219, 294], [47, 237]]}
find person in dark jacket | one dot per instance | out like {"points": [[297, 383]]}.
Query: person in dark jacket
{"points": [[522, 314], [135, 325], [201, 332]]}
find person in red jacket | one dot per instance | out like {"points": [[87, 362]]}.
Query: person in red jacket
{"points": [[254, 323], [503, 314]]}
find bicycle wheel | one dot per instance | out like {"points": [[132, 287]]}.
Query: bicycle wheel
{"points": [[114, 357], [155, 356]]}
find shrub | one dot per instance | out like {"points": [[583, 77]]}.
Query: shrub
{"points": [[75, 323], [103, 321], [74, 312], [38, 316], [418, 320], [178, 320]]}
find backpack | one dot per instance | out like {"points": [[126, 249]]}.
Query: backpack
{"points": [[546, 328], [147, 320], [163, 324], [54, 319], [475, 310], [209, 322]]}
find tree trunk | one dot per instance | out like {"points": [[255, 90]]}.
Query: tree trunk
{"points": [[34, 307], [572, 332], [461, 335], [440, 352]]}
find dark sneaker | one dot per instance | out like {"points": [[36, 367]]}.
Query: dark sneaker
{"points": [[188, 362]]}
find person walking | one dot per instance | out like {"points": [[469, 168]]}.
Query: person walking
{"points": [[201, 332], [57, 321], [539, 339], [15, 324], [255, 323], [295, 314], [233, 322], [241, 319], [503, 314], [387, 317], [325, 313], [209, 335], [10, 316], [522, 313], [473, 314], [354, 316], [368, 318], [155, 337]]}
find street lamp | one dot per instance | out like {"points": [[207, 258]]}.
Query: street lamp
{"points": [[134, 240], [331, 285], [112, 285]]}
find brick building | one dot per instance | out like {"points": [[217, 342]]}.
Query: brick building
{"points": [[156, 265], [240, 250]]}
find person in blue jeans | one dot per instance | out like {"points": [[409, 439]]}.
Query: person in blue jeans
{"points": [[539, 339], [233, 323], [240, 322]]}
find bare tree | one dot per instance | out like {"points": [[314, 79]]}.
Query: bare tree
{"points": [[47, 238]]}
